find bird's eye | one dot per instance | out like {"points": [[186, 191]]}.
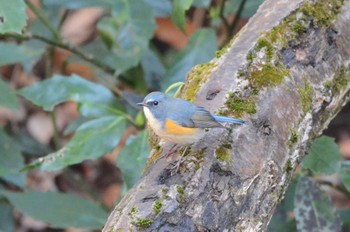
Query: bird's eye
{"points": [[155, 103]]}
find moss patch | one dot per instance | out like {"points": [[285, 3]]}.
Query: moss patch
{"points": [[181, 193], [299, 28], [182, 150], [340, 81], [198, 75], [263, 43], [157, 206], [133, 211], [293, 137], [288, 167], [144, 223], [165, 191], [222, 153], [268, 76], [322, 12], [305, 96], [238, 106]]}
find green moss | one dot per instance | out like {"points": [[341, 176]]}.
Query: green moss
{"points": [[288, 167], [188, 151], [322, 12], [305, 96], [340, 81], [299, 28], [268, 76], [165, 191], [181, 193], [198, 75], [157, 206], [133, 211], [250, 58], [263, 43], [227, 146], [199, 155], [119, 230], [144, 223], [223, 154], [293, 137], [180, 189], [222, 51], [238, 106]]}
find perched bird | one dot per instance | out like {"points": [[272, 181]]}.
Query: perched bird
{"points": [[180, 121]]}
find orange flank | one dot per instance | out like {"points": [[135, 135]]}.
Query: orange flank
{"points": [[172, 128]]}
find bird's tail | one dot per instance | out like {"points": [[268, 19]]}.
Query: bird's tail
{"points": [[229, 120]]}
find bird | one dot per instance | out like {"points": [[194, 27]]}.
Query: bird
{"points": [[179, 121]]}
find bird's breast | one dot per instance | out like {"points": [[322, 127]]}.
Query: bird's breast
{"points": [[173, 132]]}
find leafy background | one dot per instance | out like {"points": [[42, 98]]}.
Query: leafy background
{"points": [[72, 140]]}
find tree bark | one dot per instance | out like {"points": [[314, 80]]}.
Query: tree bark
{"points": [[287, 74]]}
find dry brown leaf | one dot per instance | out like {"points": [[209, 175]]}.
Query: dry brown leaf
{"points": [[110, 195], [169, 33], [40, 127], [80, 26]]}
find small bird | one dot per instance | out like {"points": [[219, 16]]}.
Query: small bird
{"points": [[179, 121]]}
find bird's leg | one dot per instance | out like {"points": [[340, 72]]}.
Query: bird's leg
{"points": [[177, 165], [168, 153]]}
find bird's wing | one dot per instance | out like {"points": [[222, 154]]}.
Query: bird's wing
{"points": [[190, 115], [203, 119]]}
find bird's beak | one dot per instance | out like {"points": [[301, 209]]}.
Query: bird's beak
{"points": [[140, 104]]}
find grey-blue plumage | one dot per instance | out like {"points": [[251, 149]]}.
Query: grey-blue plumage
{"points": [[184, 112]]}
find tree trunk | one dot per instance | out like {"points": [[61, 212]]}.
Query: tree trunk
{"points": [[287, 73]]}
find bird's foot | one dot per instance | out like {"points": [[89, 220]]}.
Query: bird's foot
{"points": [[176, 166], [171, 151]]}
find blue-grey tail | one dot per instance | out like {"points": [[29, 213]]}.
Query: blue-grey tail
{"points": [[229, 120]]}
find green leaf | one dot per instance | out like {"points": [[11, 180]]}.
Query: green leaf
{"points": [[73, 126], [11, 160], [200, 49], [314, 211], [8, 98], [345, 174], [250, 7], [132, 159], [95, 100], [153, 69], [17, 53], [127, 33], [92, 140], [57, 209], [7, 222], [161, 8], [178, 15], [13, 16], [29, 145], [323, 156]]}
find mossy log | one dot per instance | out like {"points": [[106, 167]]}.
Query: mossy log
{"points": [[287, 73]]}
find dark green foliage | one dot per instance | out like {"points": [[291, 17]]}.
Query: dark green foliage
{"points": [[323, 157], [313, 208]]}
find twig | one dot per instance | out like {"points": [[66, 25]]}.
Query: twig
{"points": [[222, 16], [233, 26], [42, 18], [334, 186], [65, 46]]}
